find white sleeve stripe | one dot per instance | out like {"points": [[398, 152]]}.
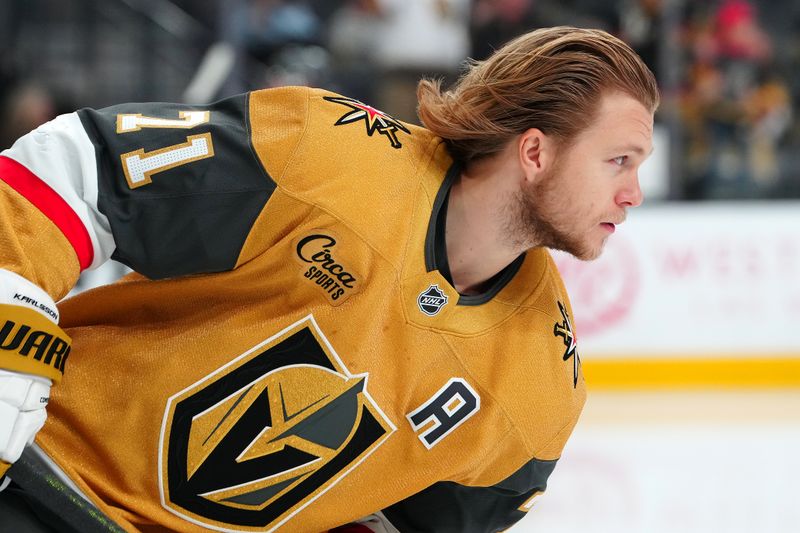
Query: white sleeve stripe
{"points": [[61, 154]]}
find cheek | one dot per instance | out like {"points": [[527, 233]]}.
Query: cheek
{"points": [[581, 178], [598, 188]]}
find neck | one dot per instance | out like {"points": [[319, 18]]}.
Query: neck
{"points": [[476, 223]]}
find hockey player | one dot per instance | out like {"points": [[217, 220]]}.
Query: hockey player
{"points": [[335, 317]]}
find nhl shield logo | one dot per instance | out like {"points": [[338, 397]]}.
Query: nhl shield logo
{"points": [[431, 300]]}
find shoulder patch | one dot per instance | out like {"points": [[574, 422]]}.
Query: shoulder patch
{"points": [[564, 329], [374, 120]]}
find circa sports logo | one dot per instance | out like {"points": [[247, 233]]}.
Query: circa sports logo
{"points": [[373, 119], [251, 445], [325, 270]]}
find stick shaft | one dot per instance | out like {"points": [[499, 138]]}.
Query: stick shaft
{"points": [[47, 491]]}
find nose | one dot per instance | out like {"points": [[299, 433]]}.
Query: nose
{"points": [[631, 194]]}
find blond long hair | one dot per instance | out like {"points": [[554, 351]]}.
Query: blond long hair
{"points": [[551, 79]]}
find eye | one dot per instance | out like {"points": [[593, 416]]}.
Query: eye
{"points": [[620, 160]]}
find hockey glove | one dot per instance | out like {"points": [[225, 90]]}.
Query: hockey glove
{"points": [[33, 352], [23, 398]]}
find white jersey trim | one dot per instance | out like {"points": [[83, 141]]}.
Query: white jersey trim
{"points": [[61, 154], [378, 523]]}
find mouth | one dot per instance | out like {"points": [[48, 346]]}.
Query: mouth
{"points": [[609, 227]]}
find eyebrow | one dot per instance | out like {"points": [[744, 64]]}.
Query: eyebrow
{"points": [[635, 148]]}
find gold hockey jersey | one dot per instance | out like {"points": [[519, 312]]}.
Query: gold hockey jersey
{"points": [[290, 354]]}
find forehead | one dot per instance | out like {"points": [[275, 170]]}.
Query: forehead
{"points": [[620, 120]]}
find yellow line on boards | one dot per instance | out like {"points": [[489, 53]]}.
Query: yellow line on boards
{"points": [[683, 373]]}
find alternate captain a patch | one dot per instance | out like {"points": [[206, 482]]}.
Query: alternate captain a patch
{"points": [[374, 120], [249, 446], [564, 329]]}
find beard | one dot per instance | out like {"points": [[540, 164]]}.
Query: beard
{"points": [[540, 215]]}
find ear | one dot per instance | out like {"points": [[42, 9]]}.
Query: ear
{"points": [[536, 153]]}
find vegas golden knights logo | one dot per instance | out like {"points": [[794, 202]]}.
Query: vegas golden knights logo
{"points": [[265, 435]]}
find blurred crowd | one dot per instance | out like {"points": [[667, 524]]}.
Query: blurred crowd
{"points": [[728, 69]]}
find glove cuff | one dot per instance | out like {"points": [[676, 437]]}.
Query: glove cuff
{"points": [[31, 343], [17, 290]]}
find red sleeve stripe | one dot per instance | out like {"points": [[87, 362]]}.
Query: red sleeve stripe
{"points": [[51, 204]]}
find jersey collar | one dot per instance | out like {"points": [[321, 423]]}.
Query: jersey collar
{"points": [[429, 299], [436, 247]]}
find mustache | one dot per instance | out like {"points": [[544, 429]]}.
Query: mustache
{"points": [[616, 219]]}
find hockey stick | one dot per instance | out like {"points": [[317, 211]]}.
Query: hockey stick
{"points": [[47, 491]]}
